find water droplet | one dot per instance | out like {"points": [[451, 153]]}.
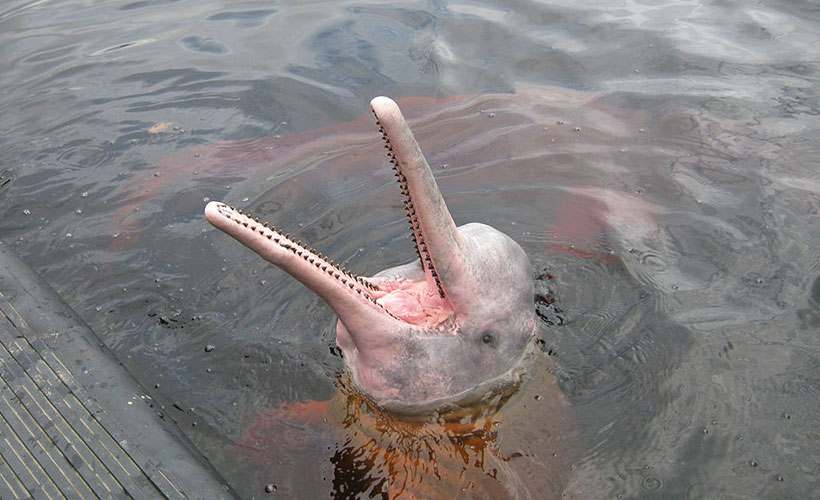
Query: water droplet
{"points": [[196, 155], [133, 141], [85, 194], [244, 200], [78, 211], [206, 199], [26, 212], [753, 462], [270, 488], [560, 122], [491, 115], [209, 348], [68, 235], [576, 129]]}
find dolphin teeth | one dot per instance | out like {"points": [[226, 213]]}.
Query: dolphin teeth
{"points": [[270, 236], [265, 224]]}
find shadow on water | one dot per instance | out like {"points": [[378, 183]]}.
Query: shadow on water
{"points": [[657, 162]]}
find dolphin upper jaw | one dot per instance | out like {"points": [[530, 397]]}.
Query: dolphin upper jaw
{"points": [[441, 331]]}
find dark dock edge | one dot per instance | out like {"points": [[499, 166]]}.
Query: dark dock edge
{"points": [[73, 422]]}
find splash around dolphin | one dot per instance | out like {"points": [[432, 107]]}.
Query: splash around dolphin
{"points": [[441, 332]]}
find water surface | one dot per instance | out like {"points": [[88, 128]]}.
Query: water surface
{"points": [[659, 164]]}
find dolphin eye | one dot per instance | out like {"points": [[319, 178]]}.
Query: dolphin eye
{"points": [[487, 338]]}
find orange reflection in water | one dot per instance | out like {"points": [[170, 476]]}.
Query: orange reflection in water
{"points": [[522, 444]]}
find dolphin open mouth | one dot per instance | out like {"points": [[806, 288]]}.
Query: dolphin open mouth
{"points": [[421, 302], [448, 328]]}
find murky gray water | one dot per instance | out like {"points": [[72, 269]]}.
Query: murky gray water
{"points": [[658, 162]]}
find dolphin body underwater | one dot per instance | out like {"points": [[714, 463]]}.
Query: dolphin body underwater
{"points": [[433, 335]]}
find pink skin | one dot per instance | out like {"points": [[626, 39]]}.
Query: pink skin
{"points": [[441, 331]]}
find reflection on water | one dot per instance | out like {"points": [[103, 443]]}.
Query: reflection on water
{"points": [[521, 442], [657, 162]]}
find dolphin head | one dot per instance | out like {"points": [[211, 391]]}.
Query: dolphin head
{"points": [[444, 330]]}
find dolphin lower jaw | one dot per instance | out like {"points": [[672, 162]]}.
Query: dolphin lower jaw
{"points": [[349, 295]]}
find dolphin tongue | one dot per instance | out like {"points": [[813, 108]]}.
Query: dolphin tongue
{"points": [[435, 234]]}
